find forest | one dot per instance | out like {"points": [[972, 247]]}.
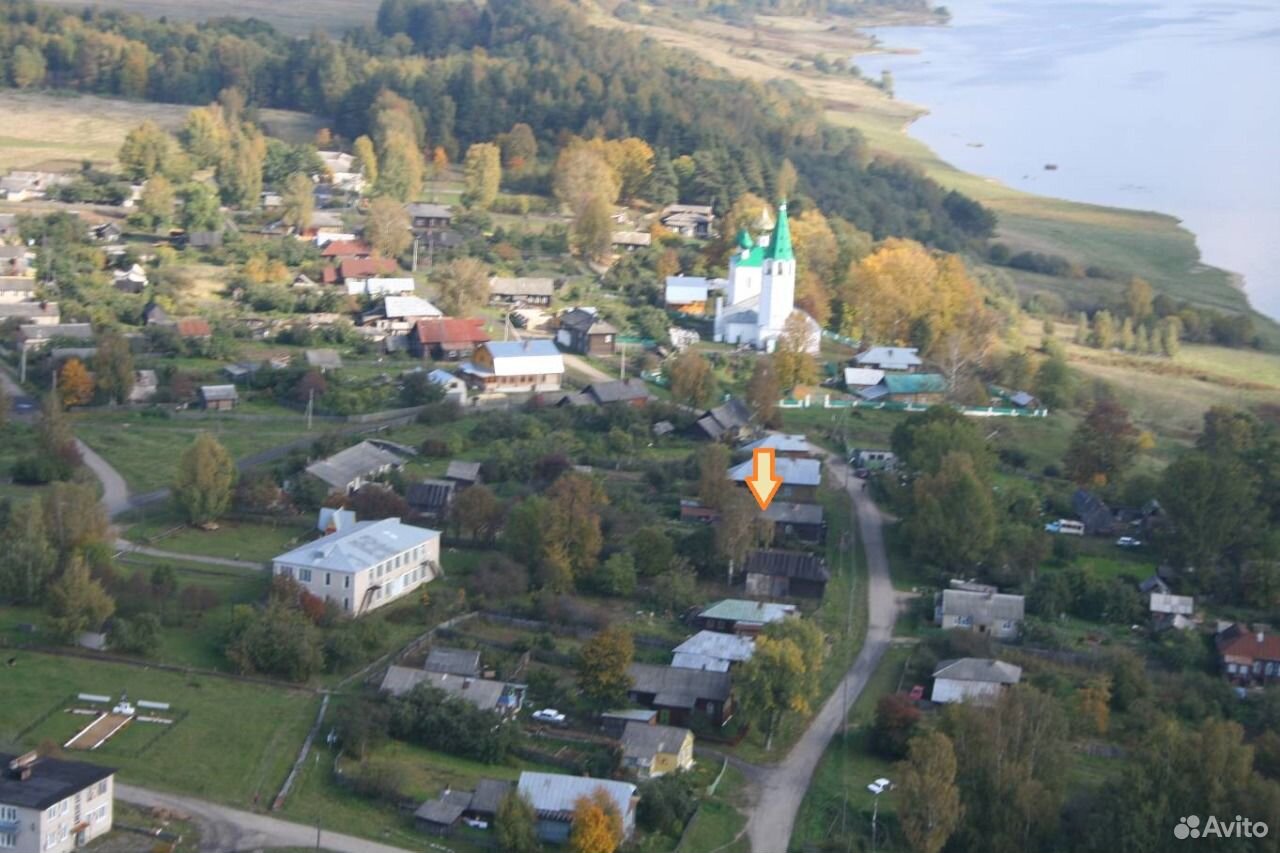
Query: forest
{"points": [[471, 73]]}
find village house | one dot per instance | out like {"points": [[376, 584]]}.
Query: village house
{"points": [[785, 446], [694, 512], [687, 294], [859, 379], [348, 470], [366, 565], [17, 289], [803, 522], [773, 573], [132, 280], [679, 694], [430, 497], [614, 723], [800, 478], [689, 220], [890, 359], [376, 287], [351, 270], [652, 751], [145, 386], [52, 805], [193, 328], [626, 392], [729, 421], [582, 330], [923, 389], [441, 816], [399, 313], [218, 398], [1247, 656], [462, 473], [978, 680], [631, 240], [740, 616], [521, 291], [453, 661], [554, 795], [34, 336], [340, 172], [424, 216], [16, 260], [713, 651], [514, 367], [447, 338], [1172, 611], [31, 313], [341, 250], [499, 697], [1093, 512], [455, 389], [323, 360], [980, 609]]}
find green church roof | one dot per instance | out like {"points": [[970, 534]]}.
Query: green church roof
{"points": [[780, 241], [744, 239]]}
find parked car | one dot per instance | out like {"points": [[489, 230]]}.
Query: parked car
{"points": [[880, 786], [549, 715], [1128, 542], [475, 823]]}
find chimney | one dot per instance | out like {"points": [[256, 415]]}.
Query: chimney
{"points": [[1261, 635], [20, 768]]}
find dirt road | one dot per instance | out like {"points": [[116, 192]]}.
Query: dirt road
{"points": [[227, 830], [780, 789]]}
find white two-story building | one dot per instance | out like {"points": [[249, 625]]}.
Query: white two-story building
{"points": [[366, 565], [48, 805]]}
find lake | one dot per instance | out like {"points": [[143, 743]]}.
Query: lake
{"points": [[1166, 106]]}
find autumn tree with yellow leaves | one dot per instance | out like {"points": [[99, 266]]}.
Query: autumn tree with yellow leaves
{"points": [[75, 385], [597, 824]]}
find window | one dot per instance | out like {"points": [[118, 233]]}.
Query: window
{"points": [[102, 786], [62, 807], [328, 577], [52, 811], [8, 839], [346, 604], [8, 813], [304, 575], [346, 582]]}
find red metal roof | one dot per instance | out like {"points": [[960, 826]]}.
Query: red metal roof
{"points": [[1238, 641], [347, 249], [366, 267], [194, 327], [439, 330]]}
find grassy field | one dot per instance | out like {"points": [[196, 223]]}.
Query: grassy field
{"points": [[50, 130], [146, 450], [235, 540], [236, 740], [291, 16], [719, 820]]}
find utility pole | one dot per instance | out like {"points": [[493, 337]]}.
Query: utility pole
{"points": [[311, 403], [22, 368], [415, 252], [622, 372], [875, 811]]}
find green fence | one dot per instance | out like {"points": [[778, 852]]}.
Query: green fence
{"points": [[828, 402]]}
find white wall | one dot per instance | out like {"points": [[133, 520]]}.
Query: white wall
{"points": [[949, 690]]}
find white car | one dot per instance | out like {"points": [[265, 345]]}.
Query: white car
{"points": [[1128, 542], [549, 715], [880, 786], [475, 823]]}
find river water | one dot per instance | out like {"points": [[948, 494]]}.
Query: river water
{"points": [[1168, 105]]}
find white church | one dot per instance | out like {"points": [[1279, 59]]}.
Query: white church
{"points": [[761, 291]]}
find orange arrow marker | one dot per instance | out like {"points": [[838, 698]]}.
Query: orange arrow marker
{"points": [[763, 483]]}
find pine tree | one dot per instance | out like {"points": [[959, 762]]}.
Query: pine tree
{"points": [[1104, 331], [1142, 341], [206, 476], [664, 186]]}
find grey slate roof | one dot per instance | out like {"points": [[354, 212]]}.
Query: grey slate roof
{"points": [[484, 694], [780, 512], [52, 780], [791, 564], [345, 466], [453, 661], [795, 472], [674, 687], [983, 607], [488, 794], [586, 322], [522, 286], [445, 809], [890, 358], [358, 547], [430, 495], [464, 472], [712, 650], [426, 210], [618, 391], [643, 742], [784, 443], [213, 393], [730, 415], [554, 794], [979, 669], [327, 359]]}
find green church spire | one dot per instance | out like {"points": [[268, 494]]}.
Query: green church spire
{"points": [[780, 241], [744, 240]]}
